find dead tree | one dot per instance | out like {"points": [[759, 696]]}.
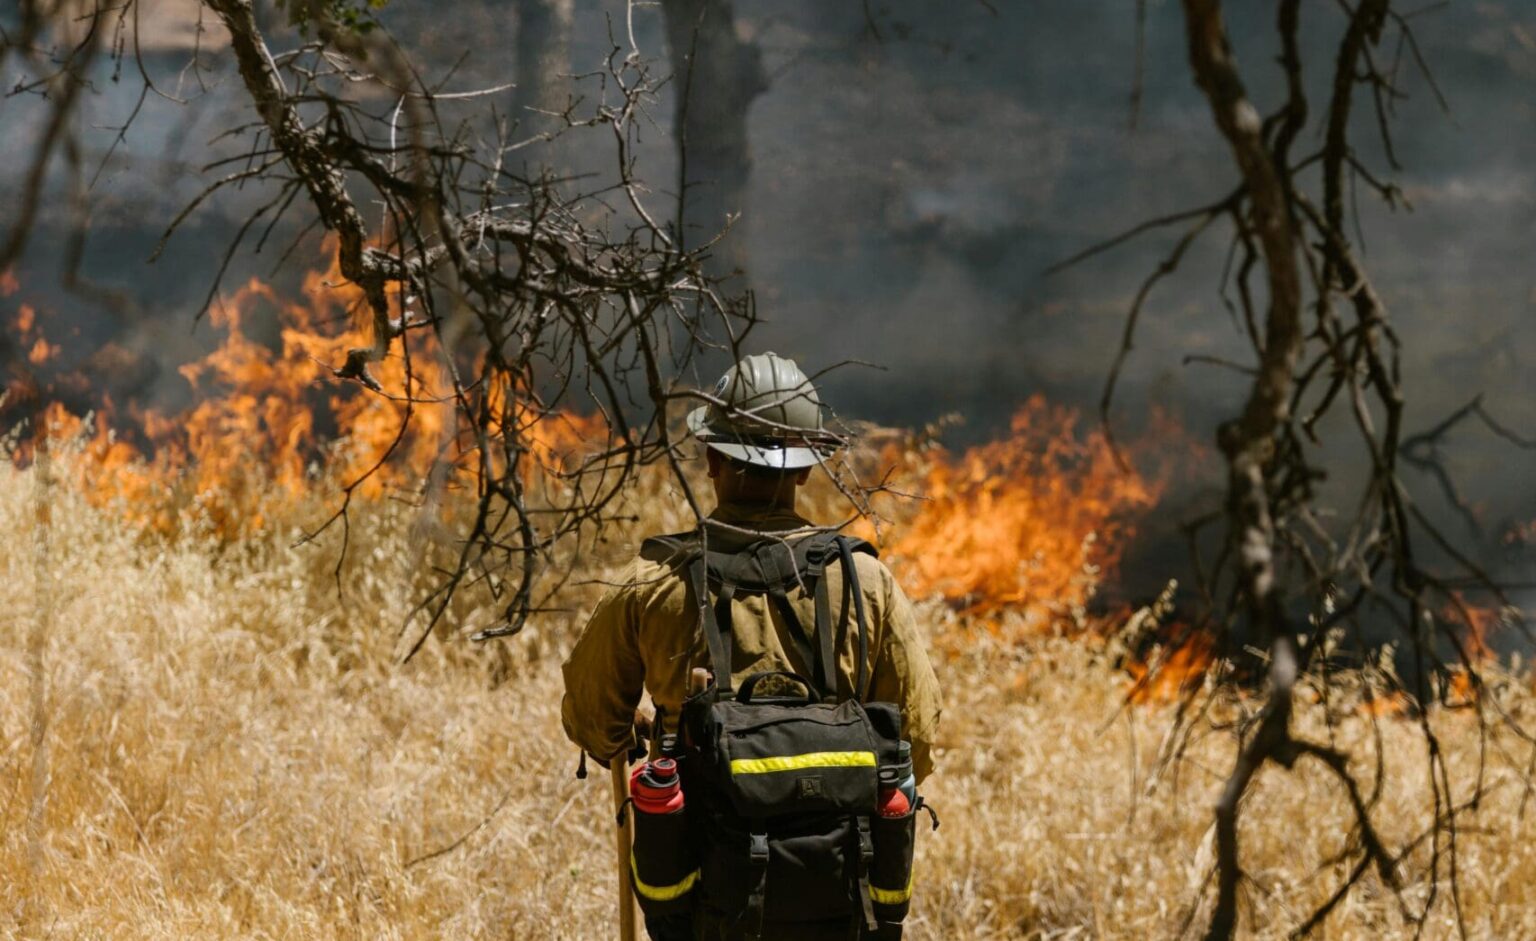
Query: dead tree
{"points": [[54, 46], [542, 300], [1321, 341], [543, 56], [716, 75]]}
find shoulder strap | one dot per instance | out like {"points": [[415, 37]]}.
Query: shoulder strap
{"points": [[718, 641], [674, 551], [757, 571], [684, 554], [826, 641], [816, 556], [846, 548], [771, 568]]}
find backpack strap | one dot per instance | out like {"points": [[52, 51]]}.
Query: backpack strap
{"points": [[753, 914], [725, 627], [866, 861], [766, 568], [674, 551], [826, 640], [777, 581], [719, 644], [797, 632], [816, 558], [852, 591], [817, 554], [685, 555]]}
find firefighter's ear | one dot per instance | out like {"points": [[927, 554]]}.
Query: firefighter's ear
{"points": [[802, 476], [714, 462]]}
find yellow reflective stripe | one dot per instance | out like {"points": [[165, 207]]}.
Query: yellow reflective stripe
{"points": [[891, 896], [661, 893], [815, 759]]}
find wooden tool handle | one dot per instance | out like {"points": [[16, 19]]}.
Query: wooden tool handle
{"points": [[619, 768]]}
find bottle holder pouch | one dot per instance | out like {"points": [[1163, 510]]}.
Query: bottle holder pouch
{"points": [[890, 876], [663, 867]]}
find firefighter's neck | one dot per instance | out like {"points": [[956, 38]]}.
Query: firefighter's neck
{"points": [[737, 486]]}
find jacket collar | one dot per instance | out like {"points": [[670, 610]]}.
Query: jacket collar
{"points": [[756, 518]]}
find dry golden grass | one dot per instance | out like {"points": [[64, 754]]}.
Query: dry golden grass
{"points": [[230, 751]]}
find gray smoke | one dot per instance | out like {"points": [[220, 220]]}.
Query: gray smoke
{"points": [[917, 170]]}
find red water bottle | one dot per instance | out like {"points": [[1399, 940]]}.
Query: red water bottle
{"points": [[663, 862], [893, 801], [655, 788]]}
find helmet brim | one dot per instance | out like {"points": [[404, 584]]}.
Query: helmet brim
{"points": [[761, 454], [788, 459]]}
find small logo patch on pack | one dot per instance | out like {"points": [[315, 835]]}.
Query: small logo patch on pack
{"points": [[809, 786]]}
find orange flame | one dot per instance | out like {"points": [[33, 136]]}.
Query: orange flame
{"points": [[271, 425], [1475, 624], [1461, 690], [1520, 534], [1176, 673], [1028, 523], [42, 351], [1386, 705], [1479, 622]]}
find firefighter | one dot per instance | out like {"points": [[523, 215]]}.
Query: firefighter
{"points": [[764, 435]]}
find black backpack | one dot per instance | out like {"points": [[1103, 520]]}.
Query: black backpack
{"points": [[781, 826]]}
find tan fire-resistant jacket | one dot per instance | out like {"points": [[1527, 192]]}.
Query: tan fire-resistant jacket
{"points": [[644, 635]]}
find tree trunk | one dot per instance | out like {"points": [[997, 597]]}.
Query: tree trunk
{"points": [[1249, 441], [716, 76], [543, 63]]}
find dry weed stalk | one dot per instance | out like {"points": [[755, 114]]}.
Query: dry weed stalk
{"points": [[37, 670]]}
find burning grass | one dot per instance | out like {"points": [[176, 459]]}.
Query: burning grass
{"points": [[268, 425], [225, 749], [204, 731], [1023, 524]]}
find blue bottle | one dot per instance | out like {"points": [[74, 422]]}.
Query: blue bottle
{"points": [[906, 778]]}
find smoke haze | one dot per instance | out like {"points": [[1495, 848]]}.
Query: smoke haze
{"points": [[915, 172]]}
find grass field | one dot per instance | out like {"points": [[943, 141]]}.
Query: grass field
{"points": [[212, 739]]}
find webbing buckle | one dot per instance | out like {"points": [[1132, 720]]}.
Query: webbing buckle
{"points": [[760, 849], [866, 859]]}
